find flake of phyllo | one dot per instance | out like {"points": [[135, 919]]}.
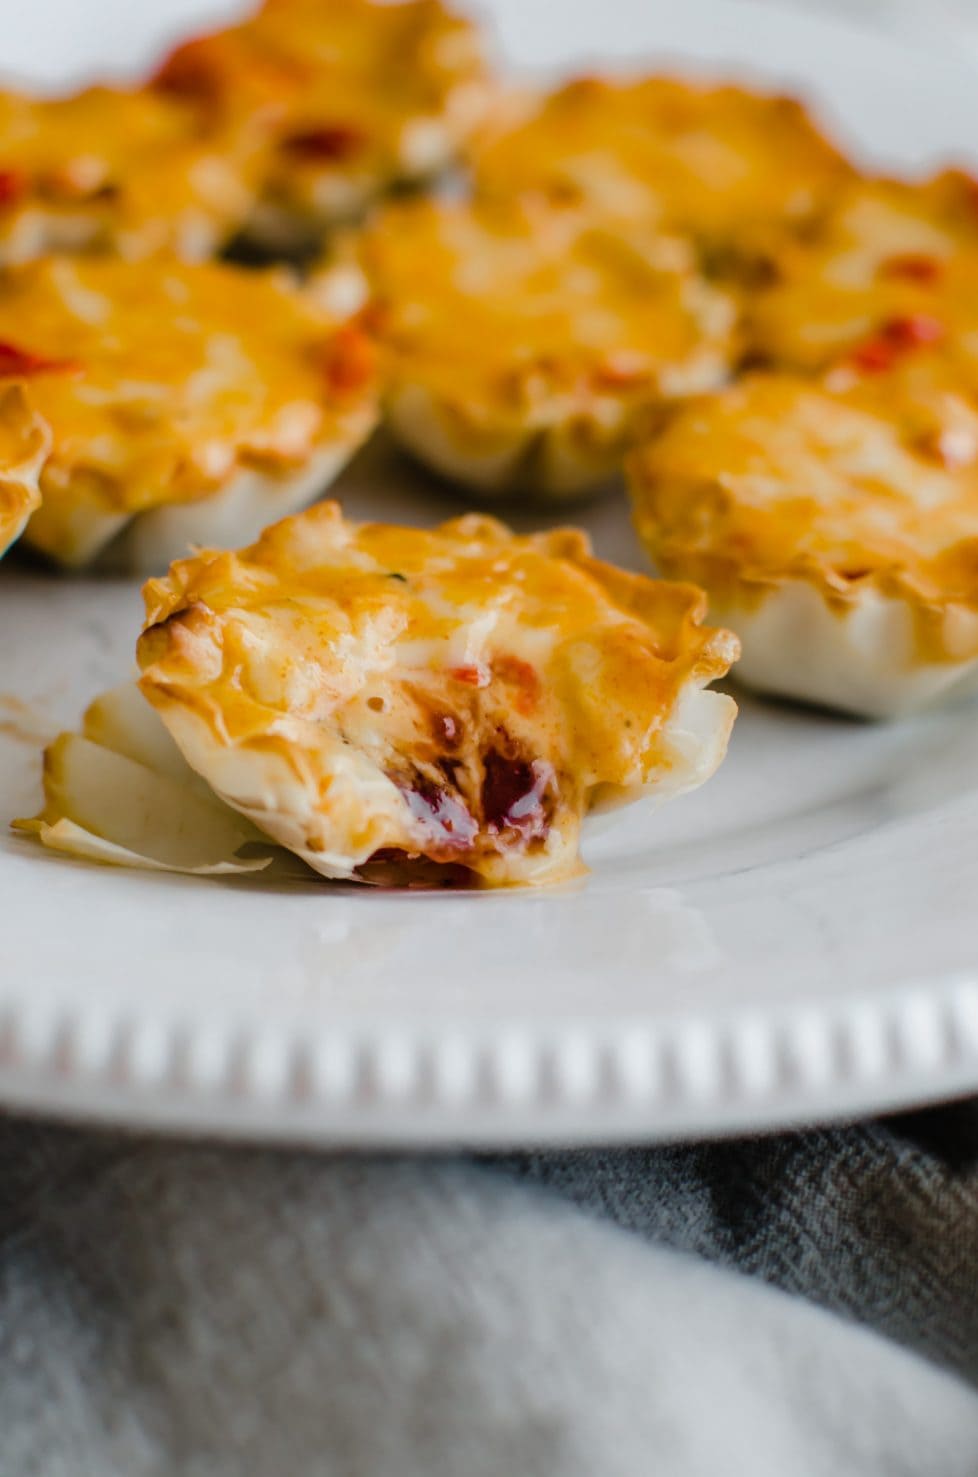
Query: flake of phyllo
{"points": [[834, 526], [122, 171], [526, 345], [350, 98], [406, 706], [186, 403]]}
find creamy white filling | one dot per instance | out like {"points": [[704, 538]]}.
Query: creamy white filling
{"points": [[862, 661]]}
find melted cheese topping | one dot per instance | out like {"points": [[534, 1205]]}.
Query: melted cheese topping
{"points": [[107, 169], [531, 315], [24, 442], [459, 696], [872, 488], [889, 253], [161, 382], [716, 160], [349, 95]]}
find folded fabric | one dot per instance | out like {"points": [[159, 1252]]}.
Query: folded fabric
{"points": [[179, 1309], [878, 1221]]}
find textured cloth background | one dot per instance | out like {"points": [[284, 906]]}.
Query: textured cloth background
{"points": [[191, 1311]]}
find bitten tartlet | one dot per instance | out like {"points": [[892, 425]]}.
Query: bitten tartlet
{"points": [[350, 98], [834, 529], [398, 704], [186, 403], [526, 347], [721, 162], [891, 266], [119, 171], [24, 442]]}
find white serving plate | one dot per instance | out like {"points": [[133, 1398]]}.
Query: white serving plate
{"points": [[793, 942]]}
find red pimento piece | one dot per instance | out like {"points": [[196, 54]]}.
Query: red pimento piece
{"points": [[912, 267], [522, 678], [898, 336], [13, 185], [330, 143], [472, 676], [351, 360], [918, 328], [16, 362]]}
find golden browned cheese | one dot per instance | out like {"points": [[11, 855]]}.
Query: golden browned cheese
{"points": [[112, 170], [891, 264], [522, 313], [458, 696], [719, 161], [24, 442], [350, 95], [161, 381], [870, 487]]}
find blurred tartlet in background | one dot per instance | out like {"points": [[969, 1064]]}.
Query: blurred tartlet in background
{"points": [[184, 402]]}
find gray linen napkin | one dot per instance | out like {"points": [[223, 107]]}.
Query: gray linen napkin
{"points": [[184, 1309]]}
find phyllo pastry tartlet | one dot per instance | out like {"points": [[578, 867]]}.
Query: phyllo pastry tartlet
{"points": [[526, 346], [351, 96], [398, 704], [186, 403], [835, 530], [24, 442], [118, 171], [892, 266], [722, 162]]}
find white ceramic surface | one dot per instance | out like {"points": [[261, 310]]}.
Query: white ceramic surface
{"points": [[795, 941]]}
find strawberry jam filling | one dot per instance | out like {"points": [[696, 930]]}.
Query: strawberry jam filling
{"points": [[516, 800], [513, 795]]}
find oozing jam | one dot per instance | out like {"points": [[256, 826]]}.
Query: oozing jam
{"points": [[442, 813], [515, 800], [513, 794]]}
